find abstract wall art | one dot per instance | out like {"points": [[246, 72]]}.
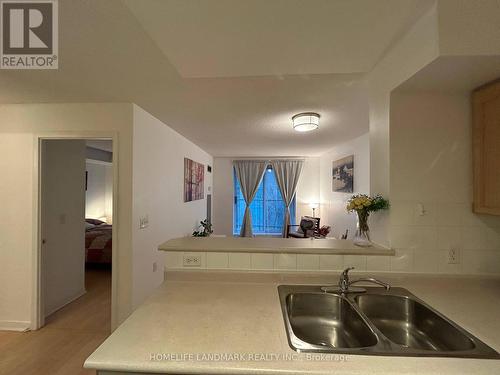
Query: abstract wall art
{"points": [[194, 178]]}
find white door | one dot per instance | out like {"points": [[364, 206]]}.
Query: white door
{"points": [[62, 223]]}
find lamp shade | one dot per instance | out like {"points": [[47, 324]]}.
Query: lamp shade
{"points": [[304, 122]]}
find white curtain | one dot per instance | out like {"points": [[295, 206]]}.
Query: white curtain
{"points": [[287, 175], [249, 174]]}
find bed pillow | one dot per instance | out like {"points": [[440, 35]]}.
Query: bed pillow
{"points": [[88, 225], [95, 221]]}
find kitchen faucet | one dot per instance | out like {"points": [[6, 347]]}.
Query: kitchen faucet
{"points": [[344, 285]]}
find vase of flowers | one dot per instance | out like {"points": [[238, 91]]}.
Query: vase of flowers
{"points": [[363, 205]]}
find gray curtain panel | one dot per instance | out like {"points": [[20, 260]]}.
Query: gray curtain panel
{"points": [[249, 174], [287, 175]]}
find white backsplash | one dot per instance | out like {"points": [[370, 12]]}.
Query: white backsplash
{"points": [[422, 242]]}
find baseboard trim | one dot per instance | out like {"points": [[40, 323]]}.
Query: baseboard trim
{"points": [[14, 325], [75, 297]]}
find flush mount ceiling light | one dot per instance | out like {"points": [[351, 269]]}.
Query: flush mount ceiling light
{"points": [[305, 122]]}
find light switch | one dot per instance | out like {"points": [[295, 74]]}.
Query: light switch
{"points": [[143, 222], [421, 209]]}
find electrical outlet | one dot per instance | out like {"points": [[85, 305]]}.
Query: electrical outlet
{"points": [[453, 256], [192, 261]]}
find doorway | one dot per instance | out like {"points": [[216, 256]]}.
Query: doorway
{"points": [[76, 232]]}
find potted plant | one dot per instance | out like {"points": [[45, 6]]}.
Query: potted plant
{"points": [[204, 229], [363, 205]]}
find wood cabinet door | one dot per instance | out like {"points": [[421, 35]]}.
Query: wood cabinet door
{"points": [[486, 148]]}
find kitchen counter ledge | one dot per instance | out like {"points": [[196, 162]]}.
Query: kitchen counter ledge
{"points": [[193, 313], [272, 245]]}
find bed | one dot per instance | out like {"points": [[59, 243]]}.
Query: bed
{"points": [[98, 242]]}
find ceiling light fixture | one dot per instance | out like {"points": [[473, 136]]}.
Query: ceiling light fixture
{"points": [[305, 122]]}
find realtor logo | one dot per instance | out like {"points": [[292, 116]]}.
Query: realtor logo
{"points": [[29, 34]]}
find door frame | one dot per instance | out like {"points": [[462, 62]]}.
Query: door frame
{"points": [[37, 311]]}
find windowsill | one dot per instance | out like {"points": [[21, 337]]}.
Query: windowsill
{"points": [[265, 235], [271, 245]]}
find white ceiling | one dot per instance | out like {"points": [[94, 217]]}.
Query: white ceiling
{"points": [[228, 38], [454, 74], [104, 145], [107, 56], [252, 116]]}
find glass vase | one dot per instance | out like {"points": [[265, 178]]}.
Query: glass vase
{"points": [[362, 236]]}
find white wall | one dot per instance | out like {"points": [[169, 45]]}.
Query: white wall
{"points": [[223, 196], [19, 123], [99, 194], [448, 28], [416, 48], [15, 230], [63, 211], [431, 164], [308, 189], [108, 194], [158, 164], [333, 211], [307, 192]]}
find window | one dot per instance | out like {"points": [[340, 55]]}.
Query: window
{"points": [[268, 207]]}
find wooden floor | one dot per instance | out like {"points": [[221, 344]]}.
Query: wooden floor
{"points": [[68, 338]]}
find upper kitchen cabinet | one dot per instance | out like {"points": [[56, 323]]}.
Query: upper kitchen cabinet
{"points": [[486, 148]]}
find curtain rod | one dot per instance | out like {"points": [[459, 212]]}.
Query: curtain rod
{"points": [[272, 159]]}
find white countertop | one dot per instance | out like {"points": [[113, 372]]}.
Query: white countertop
{"points": [[239, 313], [271, 245]]}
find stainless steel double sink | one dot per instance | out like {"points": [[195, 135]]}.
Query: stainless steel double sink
{"points": [[375, 322]]}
